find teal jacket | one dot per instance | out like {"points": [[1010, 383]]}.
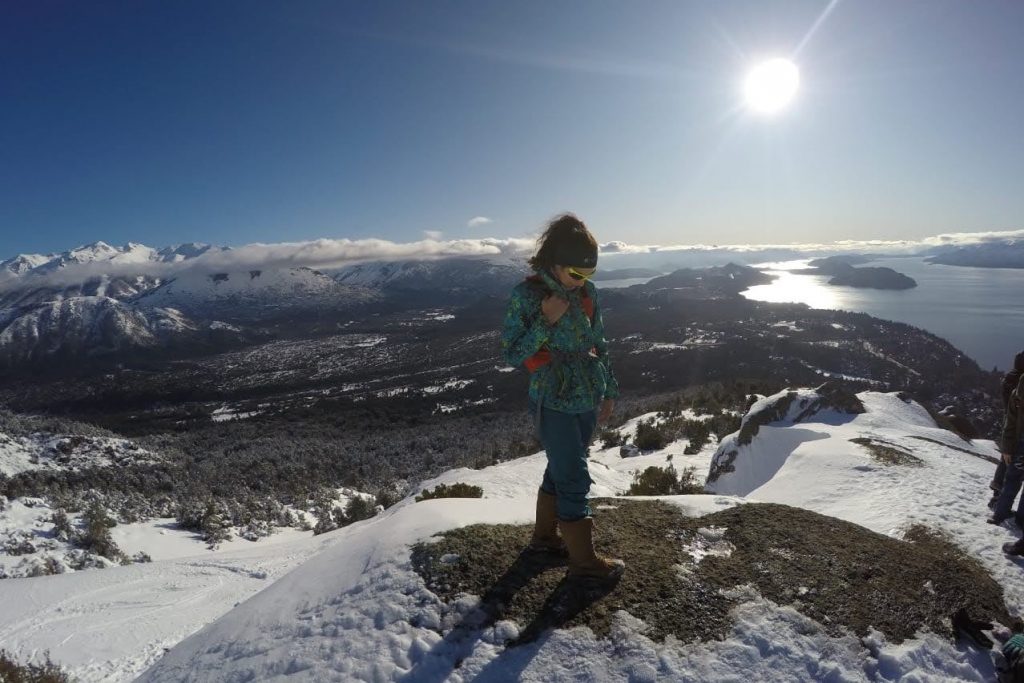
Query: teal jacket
{"points": [[575, 381]]}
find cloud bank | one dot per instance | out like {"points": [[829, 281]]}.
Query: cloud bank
{"points": [[327, 254]]}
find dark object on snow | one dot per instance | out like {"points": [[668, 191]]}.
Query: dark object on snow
{"points": [[1016, 548], [972, 629], [628, 450]]}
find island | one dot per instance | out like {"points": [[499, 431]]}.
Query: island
{"points": [[844, 274]]}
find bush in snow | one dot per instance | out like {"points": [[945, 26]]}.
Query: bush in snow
{"points": [[96, 535], [19, 543], [650, 436], [456, 490], [323, 508], [46, 565], [47, 672], [664, 481], [359, 508], [215, 527], [62, 529], [255, 530], [610, 438], [141, 557]]}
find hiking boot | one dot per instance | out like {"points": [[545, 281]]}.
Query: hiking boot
{"points": [[997, 519], [1016, 548], [545, 531], [583, 561]]}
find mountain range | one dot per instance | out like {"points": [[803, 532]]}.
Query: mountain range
{"points": [[98, 298]]}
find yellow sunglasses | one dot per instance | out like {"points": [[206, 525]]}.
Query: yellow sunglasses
{"points": [[576, 275]]}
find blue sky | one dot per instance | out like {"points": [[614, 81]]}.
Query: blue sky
{"points": [[239, 122]]}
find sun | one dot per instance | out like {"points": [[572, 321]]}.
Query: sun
{"points": [[771, 85]]}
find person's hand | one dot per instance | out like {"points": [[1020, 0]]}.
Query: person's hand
{"points": [[1013, 649], [605, 412], [554, 307], [1008, 458]]}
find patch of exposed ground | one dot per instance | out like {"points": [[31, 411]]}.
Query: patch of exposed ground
{"points": [[844, 576], [888, 454]]}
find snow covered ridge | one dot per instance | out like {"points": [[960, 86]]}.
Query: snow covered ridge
{"points": [[360, 612], [101, 252]]}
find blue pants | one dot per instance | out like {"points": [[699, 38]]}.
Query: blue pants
{"points": [[1013, 478], [1012, 481], [566, 440]]}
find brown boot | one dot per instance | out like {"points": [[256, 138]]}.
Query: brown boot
{"points": [[583, 561], [545, 532]]}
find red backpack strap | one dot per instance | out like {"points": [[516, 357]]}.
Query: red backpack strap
{"points": [[588, 304]]}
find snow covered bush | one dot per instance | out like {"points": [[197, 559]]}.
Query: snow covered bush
{"points": [[358, 509], [47, 672], [96, 535]]}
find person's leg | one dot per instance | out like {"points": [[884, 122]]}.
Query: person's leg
{"points": [[567, 463], [997, 479], [567, 437], [588, 423], [1011, 486], [545, 530]]}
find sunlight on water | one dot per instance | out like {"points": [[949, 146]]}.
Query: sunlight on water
{"points": [[812, 290]]}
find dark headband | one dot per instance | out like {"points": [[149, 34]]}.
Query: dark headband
{"points": [[578, 255]]}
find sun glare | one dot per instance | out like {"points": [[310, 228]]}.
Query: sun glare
{"points": [[771, 85]]}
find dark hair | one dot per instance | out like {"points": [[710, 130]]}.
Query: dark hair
{"points": [[565, 239], [1018, 362]]}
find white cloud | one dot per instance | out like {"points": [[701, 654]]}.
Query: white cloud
{"points": [[322, 253], [477, 221], [335, 253]]}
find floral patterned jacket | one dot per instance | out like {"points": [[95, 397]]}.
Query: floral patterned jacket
{"points": [[579, 375]]}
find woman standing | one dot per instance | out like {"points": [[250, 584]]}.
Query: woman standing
{"points": [[553, 327]]}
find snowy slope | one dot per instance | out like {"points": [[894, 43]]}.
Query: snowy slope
{"points": [[814, 465], [111, 624], [356, 611], [359, 612]]}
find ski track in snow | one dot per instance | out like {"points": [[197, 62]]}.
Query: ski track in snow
{"points": [[111, 624]]}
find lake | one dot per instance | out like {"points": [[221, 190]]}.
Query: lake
{"points": [[979, 310]]}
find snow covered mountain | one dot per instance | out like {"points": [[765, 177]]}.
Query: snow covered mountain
{"points": [[355, 607], [481, 275], [33, 278], [98, 299], [85, 325], [21, 264], [1004, 253], [254, 293]]}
